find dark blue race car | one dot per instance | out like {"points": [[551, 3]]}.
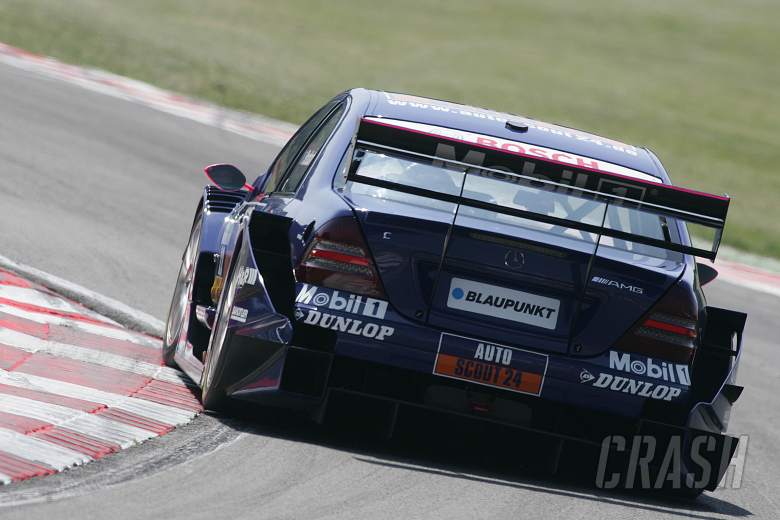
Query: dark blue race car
{"points": [[419, 253]]}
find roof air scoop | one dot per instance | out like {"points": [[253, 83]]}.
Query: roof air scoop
{"points": [[516, 126]]}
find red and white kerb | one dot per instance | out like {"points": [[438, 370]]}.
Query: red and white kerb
{"points": [[75, 386]]}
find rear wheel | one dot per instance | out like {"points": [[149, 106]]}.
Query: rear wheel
{"points": [[213, 381], [177, 326]]}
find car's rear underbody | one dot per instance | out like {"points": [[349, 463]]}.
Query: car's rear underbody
{"points": [[384, 397]]}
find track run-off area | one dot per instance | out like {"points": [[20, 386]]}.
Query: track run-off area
{"points": [[101, 176]]}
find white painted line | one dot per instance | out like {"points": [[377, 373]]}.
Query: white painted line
{"points": [[100, 428], [749, 284], [108, 331], [754, 278], [49, 301], [98, 357], [128, 316], [36, 450], [253, 126], [148, 409]]}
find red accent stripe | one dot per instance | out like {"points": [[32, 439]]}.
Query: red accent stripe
{"points": [[60, 436], [21, 424], [54, 312], [119, 415], [7, 278], [85, 374], [20, 469], [339, 257], [46, 397], [11, 358], [102, 378], [594, 170], [95, 341], [115, 414], [76, 441], [25, 326], [170, 394], [669, 327]]}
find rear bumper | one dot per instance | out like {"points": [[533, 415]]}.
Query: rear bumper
{"points": [[622, 384], [342, 345], [310, 381], [335, 328]]}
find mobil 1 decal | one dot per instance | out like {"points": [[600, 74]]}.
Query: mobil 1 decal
{"points": [[667, 381], [343, 312], [490, 364]]}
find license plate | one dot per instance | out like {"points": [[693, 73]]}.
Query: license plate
{"points": [[490, 364], [500, 302]]}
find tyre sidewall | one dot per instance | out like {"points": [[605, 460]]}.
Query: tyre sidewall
{"points": [[182, 334], [213, 384]]}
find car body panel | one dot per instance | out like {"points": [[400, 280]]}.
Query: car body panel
{"points": [[291, 342]]}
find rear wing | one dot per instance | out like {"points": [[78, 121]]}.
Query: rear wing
{"points": [[548, 170]]}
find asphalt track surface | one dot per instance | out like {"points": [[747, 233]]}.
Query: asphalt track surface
{"points": [[101, 192]]}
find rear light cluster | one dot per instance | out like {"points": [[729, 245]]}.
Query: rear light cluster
{"points": [[339, 258], [669, 330]]}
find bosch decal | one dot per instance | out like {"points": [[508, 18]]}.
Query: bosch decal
{"points": [[518, 148]]}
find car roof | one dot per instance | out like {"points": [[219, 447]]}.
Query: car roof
{"points": [[488, 122]]}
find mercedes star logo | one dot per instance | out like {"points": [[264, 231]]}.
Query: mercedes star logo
{"points": [[514, 259]]}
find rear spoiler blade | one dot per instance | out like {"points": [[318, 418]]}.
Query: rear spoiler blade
{"points": [[548, 170]]}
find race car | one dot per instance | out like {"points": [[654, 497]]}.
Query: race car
{"points": [[412, 252]]}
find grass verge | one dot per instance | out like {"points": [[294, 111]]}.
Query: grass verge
{"points": [[696, 81]]}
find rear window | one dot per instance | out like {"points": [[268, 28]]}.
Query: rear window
{"points": [[508, 191]]}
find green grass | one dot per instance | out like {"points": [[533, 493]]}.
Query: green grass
{"points": [[697, 81]]}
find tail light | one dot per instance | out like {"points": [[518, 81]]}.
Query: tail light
{"points": [[339, 258], [669, 331]]}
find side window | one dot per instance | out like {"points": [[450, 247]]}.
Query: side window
{"points": [[310, 152], [294, 146]]}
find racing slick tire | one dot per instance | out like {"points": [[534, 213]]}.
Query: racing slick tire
{"points": [[181, 313], [213, 381]]}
